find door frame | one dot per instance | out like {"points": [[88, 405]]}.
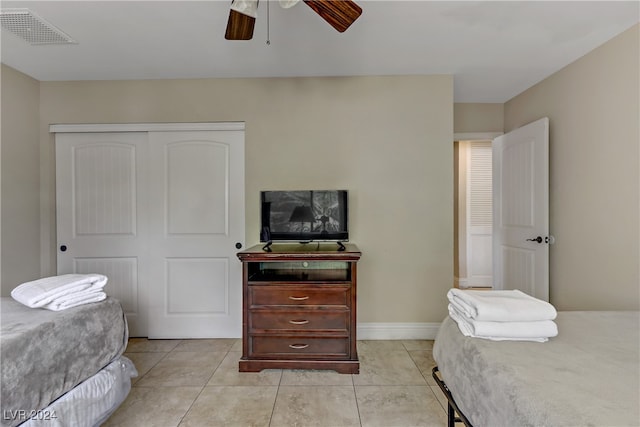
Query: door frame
{"points": [[144, 127], [470, 136]]}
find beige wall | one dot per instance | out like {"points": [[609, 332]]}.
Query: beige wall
{"points": [[20, 179], [468, 117], [388, 140], [594, 116]]}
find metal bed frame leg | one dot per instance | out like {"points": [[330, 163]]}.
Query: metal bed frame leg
{"points": [[452, 407], [451, 415]]}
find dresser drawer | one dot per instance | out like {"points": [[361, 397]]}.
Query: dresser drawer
{"points": [[299, 295], [298, 347], [316, 320]]}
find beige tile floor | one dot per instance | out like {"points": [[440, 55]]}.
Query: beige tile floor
{"points": [[197, 383]]}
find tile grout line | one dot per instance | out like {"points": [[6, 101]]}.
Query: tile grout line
{"points": [[425, 378], [273, 408], [166, 353], [203, 387], [196, 398], [355, 394]]}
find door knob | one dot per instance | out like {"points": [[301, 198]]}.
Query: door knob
{"points": [[539, 239], [238, 245], [63, 248]]}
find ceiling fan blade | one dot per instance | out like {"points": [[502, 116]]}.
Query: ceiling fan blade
{"points": [[239, 26], [339, 13]]}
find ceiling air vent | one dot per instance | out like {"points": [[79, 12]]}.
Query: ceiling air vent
{"points": [[31, 28]]}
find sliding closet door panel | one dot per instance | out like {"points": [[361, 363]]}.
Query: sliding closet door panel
{"points": [[208, 280], [196, 206], [100, 181], [123, 279], [197, 182]]}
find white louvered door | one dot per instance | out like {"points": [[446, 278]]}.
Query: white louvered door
{"points": [[479, 215]]}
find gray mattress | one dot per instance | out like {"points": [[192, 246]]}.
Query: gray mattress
{"points": [[45, 353], [586, 376]]}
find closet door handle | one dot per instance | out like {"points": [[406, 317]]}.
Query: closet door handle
{"points": [[298, 322], [298, 298]]}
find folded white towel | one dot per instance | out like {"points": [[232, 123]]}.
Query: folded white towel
{"points": [[538, 331], [41, 292], [500, 306], [74, 300]]}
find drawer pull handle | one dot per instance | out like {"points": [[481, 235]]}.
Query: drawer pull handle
{"points": [[298, 346], [298, 298], [298, 322]]}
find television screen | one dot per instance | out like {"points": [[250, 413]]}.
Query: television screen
{"points": [[304, 215]]}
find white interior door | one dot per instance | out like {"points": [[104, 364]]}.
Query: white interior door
{"points": [[100, 190], [521, 210], [196, 207]]}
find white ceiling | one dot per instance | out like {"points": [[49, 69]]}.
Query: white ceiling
{"points": [[494, 50]]}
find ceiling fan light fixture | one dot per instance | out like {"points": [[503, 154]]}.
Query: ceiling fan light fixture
{"points": [[340, 14], [246, 7]]}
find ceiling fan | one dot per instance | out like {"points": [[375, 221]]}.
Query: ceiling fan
{"points": [[340, 14]]}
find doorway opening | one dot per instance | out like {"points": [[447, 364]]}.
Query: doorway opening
{"points": [[519, 215], [473, 214]]}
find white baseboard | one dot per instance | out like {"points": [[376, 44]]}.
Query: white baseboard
{"points": [[397, 331]]}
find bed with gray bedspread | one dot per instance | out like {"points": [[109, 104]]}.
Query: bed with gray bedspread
{"points": [[586, 376], [45, 354]]}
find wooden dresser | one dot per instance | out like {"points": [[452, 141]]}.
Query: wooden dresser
{"points": [[299, 308]]}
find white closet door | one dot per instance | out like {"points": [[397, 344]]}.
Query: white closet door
{"points": [[196, 218], [101, 211], [160, 213]]}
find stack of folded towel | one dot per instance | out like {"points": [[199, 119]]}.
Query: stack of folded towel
{"points": [[61, 292], [502, 315]]}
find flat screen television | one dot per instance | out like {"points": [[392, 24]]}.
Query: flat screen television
{"points": [[304, 216]]}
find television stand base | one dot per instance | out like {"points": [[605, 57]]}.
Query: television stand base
{"points": [[340, 247], [267, 247]]}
